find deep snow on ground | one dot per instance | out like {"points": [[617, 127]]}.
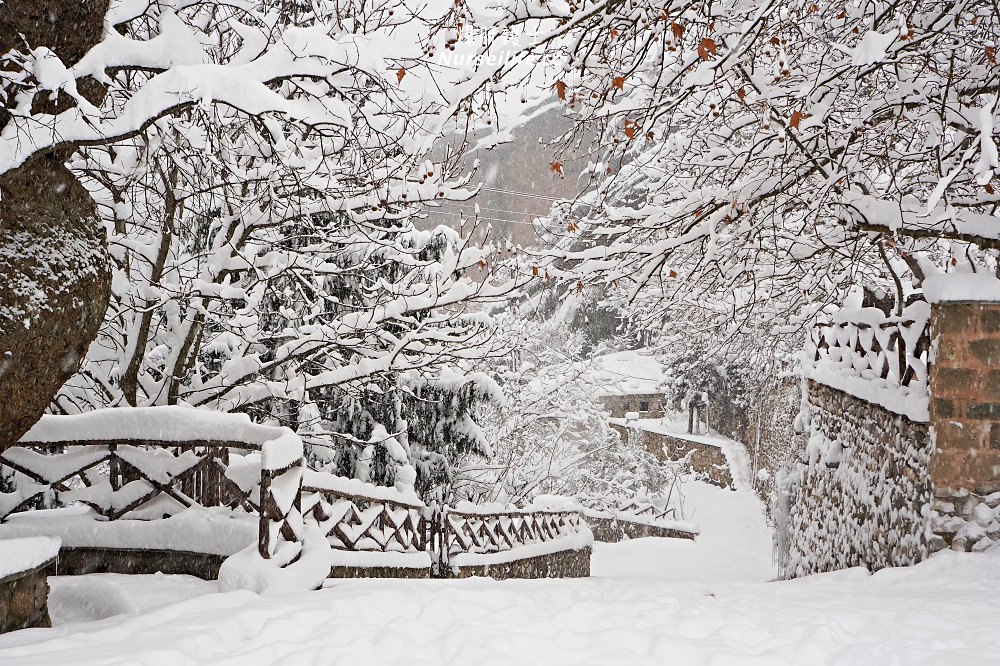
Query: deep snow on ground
{"points": [[650, 601], [940, 612], [97, 596]]}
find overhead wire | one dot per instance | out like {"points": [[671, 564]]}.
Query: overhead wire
{"points": [[478, 217], [522, 194], [496, 210]]}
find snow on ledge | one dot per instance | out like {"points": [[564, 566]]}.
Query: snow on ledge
{"points": [[342, 485], [214, 531], [168, 424], [909, 401], [26, 553], [962, 287]]}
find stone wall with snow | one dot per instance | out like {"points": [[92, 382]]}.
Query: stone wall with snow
{"points": [[708, 460], [863, 498], [24, 588], [902, 419]]}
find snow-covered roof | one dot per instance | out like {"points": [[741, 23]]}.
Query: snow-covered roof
{"points": [[626, 373]]}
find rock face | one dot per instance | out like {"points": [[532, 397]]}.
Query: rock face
{"points": [[54, 277]]}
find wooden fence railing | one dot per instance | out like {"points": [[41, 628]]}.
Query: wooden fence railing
{"points": [[281, 526], [367, 524], [132, 477], [484, 533], [141, 479], [630, 508]]}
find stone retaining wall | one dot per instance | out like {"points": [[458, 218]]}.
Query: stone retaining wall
{"points": [[77, 561], [24, 599], [564, 564], [864, 498], [613, 530], [380, 572], [708, 461]]}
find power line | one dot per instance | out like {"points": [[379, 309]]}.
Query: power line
{"points": [[478, 217], [496, 210], [522, 194]]}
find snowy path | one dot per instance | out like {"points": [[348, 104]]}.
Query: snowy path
{"points": [[734, 543], [650, 601]]}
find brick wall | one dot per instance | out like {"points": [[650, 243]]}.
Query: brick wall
{"points": [[965, 403], [965, 415]]}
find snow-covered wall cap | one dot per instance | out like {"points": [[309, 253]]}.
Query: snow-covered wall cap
{"points": [[168, 424], [320, 481], [281, 453], [962, 287], [26, 553]]}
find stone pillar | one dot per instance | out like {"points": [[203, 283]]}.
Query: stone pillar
{"points": [[965, 398]]}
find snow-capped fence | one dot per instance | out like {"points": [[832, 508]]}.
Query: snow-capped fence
{"points": [[144, 479], [868, 344], [867, 409], [489, 542], [363, 518], [114, 462], [136, 462], [631, 508], [281, 524], [613, 520]]}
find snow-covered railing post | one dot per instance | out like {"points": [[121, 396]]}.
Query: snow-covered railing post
{"points": [[281, 523]]}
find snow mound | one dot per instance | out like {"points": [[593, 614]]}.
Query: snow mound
{"points": [[247, 570], [88, 598]]}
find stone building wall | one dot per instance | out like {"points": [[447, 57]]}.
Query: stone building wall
{"points": [[864, 498], [617, 406]]}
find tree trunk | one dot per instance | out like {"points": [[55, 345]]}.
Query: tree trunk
{"points": [[54, 277], [54, 287]]}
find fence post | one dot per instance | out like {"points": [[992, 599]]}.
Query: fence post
{"points": [[281, 524]]}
